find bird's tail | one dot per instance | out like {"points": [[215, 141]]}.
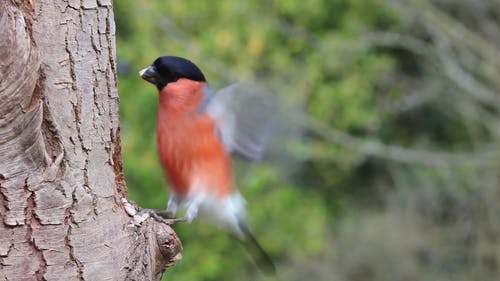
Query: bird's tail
{"points": [[259, 255]]}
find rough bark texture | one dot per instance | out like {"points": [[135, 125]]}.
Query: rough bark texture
{"points": [[61, 182]]}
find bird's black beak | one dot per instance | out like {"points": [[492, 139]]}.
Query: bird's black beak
{"points": [[149, 74]]}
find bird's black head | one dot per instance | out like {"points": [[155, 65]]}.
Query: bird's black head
{"points": [[169, 69]]}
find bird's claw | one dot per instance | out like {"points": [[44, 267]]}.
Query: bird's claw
{"points": [[140, 215], [161, 216]]}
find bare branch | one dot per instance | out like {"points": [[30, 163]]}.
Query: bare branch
{"points": [[400, 154]]}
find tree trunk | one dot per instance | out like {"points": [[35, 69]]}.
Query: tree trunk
{"points": [[61, 184]]}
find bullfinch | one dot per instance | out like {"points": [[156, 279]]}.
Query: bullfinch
{"points": [[198, 132]]}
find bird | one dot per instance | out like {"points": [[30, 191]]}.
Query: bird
{"points": [[198, 133]]}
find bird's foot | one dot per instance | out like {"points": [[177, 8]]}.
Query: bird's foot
{"points": [[140, 215], [162, 216]]}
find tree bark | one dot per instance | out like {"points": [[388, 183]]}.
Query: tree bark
{"points": [[62, 191]]}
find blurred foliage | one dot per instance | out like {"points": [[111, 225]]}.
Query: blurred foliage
{"points": [[398, 179]]}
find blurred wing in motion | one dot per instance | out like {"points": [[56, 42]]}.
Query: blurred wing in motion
{"points": [[245, 117]]}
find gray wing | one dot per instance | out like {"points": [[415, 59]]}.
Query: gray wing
{"points": [[245, 118]]}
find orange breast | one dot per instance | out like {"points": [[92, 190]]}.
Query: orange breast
{"points": [[192, 155]]}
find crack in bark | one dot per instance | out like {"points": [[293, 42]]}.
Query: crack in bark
{"points": [[71, 62], [67, 242], [88, 188], [96, 49], [78, 123], [95, 87], [76, 112], [111, 43], [69, 221], [43, 265], [74, 6], [11, 246], [3, 197], [32, 221], [51, 135], [118, 164]]}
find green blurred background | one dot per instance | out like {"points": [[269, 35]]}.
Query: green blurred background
{"points": [[398, 178]]}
